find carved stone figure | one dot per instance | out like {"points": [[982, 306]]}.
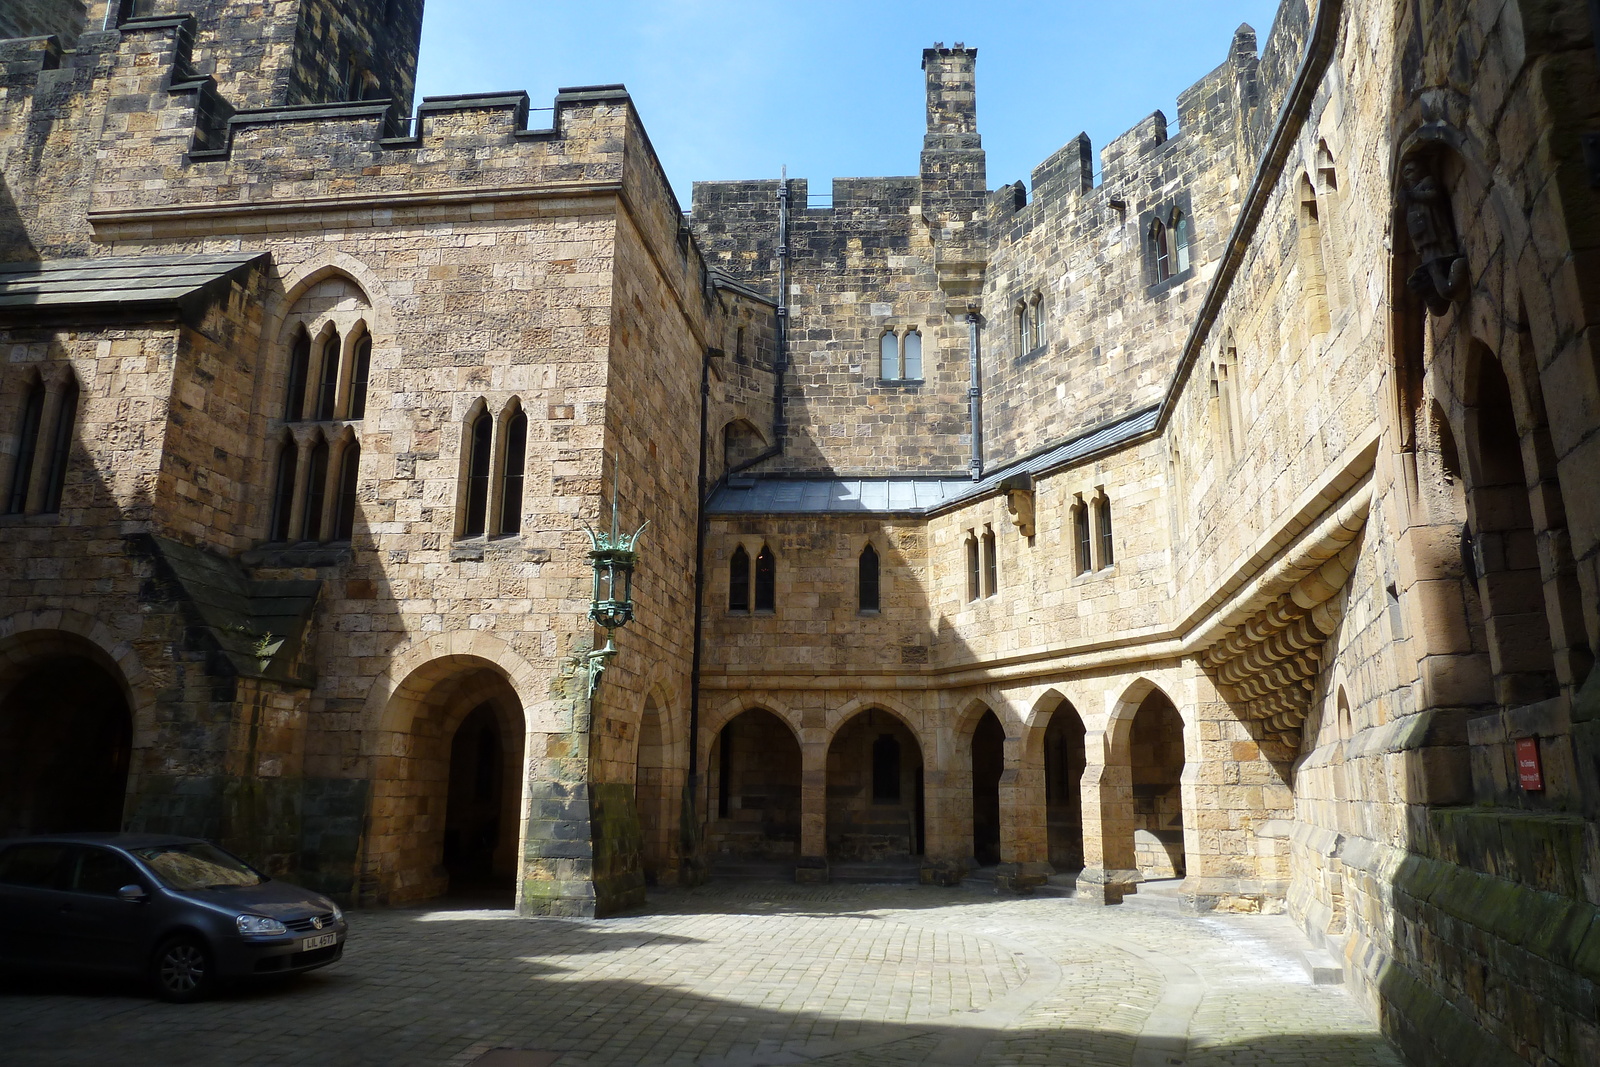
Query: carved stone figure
{"points": [[1442, 276]]}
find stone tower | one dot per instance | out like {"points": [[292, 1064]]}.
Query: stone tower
{"points": [[954, 177], [293, 52]]}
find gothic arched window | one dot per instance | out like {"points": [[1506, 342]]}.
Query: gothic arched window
{"points": [[294, 399], [344, 522], [480, 437], [360, 371], [56, 471], [1180, 242], [739, 580], [27, 446], [867, 579], [889, 356], [766, 598], [283, 491], [1158, 245], [316, 493], [1083, 538], [328, 380], [516, 458], [1103, 521], [913, 356]]}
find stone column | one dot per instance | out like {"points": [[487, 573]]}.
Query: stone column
{"points": [[1109, 872], [813, 860], [1024, 832]]}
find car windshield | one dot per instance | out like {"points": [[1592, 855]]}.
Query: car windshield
{"points": [[198, 866]]}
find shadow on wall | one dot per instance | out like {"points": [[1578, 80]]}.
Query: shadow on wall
{"points": [[15, 245]]}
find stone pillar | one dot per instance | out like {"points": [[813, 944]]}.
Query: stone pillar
{"points": [[1024, 829], [813, 861], [1109, 872]]}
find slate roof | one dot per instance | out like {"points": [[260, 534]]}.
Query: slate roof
{"points": [[908, 494], [119, 283]]}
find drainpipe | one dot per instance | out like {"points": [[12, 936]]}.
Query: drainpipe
{"points": [[689, 826], [781, 357], [975, 394]]}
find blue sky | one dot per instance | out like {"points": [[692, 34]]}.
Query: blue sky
{"points": [[831, 87]]}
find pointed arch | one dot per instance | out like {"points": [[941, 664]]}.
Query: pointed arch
{"points": [[513, 464], [329, 352], [360, 373], [477, 440], [345, 502], [765, 596], [867, 580], [316, 491], [299, 372], [739, 580], [285, 464]]}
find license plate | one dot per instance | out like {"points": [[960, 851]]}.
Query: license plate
{"points": [[319, 941]]}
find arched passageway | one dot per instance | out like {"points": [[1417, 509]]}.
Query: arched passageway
{"points": [[875, 798], [1064, 762], [65, 738], [1156, 758], [447, 793], [988, 765], [651, 796], [755, 789]]}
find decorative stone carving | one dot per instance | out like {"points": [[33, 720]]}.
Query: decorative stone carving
{"points": [[1441, 278]]}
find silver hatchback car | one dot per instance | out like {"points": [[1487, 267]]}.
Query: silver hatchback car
{"points": [[177, 911]]}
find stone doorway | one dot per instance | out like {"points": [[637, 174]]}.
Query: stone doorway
{"points": [[1064, 762], [65, 740], [875, 791], [1156, 758], [988, 765], [475, 804], [755, 790]]}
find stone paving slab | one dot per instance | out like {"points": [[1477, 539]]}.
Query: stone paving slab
{"points": [[740, 976]]}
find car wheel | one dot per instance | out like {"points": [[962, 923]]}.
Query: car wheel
{"points": [[182, 969]]}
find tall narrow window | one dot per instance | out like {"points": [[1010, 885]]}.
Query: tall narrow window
{"points": [[991, 566], [294, 400], [886, 768], [1158, 246], [1180, 242], [1036, 313], [360, 371], [344, 523], [739, 580], [479, 439], [328, 386], [283, 491], [56, 476], [766, 580], [974, 568], [913, 367], [27, 445], [1103, 521], [1314, 277], [1080, 527], [888, 357], [1021, 317], [867, 579], [316, 494], [511, 478]]}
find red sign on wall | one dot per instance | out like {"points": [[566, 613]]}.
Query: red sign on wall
{"points": [[1529, 773]]}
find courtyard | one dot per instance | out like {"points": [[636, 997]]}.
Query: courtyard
{"points": [[747, 974]]}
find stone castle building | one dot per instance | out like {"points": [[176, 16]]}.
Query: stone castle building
{"points": [[1227, 509]]}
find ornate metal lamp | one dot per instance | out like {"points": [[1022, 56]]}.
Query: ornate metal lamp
{"points": [[613, 557]]}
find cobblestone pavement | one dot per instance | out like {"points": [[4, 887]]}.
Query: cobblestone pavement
{"points": [[740, 975]]}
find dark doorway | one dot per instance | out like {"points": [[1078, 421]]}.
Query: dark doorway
{"points": [[756, 790], [875, 801], [473, 811], [1064, 761], [65, 736], [1156, 755], [988, 764]]}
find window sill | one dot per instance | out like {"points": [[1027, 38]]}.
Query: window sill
{"points": [[869, 611], [298, 554]]}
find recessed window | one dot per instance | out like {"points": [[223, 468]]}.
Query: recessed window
{"points": [[766, 598], [316, 493], [913, 356], [991, 565], [1083, 538], [328, 383], [889, 357], [867, 579], [511, 477], [283, 490], [1161, 250], [739, 580], [42, 447], [294, 401], [360, 371], [1103, 524], [1180, 242], [479, 442], [344, 522], [974, 568]]}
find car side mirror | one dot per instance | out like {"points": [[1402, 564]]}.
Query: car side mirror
{"points": [[133, 894]]}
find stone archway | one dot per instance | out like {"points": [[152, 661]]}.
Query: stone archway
{"points": [[754, 784], [1155, 756], [66, 732], [875, 790], [988, 757], [1065, 758], [447, 788]]}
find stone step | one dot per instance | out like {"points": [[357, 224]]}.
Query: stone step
{"points": [[876, 872], [752, 870], [1322, 966]]}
